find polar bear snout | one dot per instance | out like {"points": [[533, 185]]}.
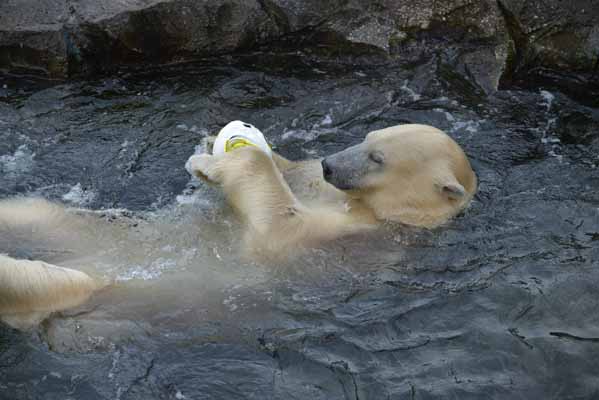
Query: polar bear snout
{"points": [[335, 176], [341, 178], [347, 169]]}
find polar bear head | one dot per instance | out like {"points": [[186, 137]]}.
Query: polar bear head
{"points": [[413, 174]]}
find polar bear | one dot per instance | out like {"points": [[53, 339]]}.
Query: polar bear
{"points": [[32, 290], [411, 174]]}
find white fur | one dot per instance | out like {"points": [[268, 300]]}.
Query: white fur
{"points": [[31, 290], [426, 180]]}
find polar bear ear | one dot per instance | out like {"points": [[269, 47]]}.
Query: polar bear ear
{"points": [[451, 188]]}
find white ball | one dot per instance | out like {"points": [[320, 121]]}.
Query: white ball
{"points": [[239, 133]]}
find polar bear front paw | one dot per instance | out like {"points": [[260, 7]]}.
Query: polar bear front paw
{"points": [[202, 166]]}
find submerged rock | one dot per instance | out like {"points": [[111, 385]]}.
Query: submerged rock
{"points": [[87, 335]]}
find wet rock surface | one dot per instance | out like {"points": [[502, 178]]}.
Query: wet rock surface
{"points": [[500, 303], [486, 40], [552, 40], [554, 33]]}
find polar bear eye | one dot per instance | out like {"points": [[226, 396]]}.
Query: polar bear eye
{"points": [[377, 157]]}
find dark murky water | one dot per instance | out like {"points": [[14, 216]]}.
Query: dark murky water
{"points": [[500, 303]]}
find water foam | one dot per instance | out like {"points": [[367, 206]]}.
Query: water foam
{"points": [[19, 162], [78, 195]]}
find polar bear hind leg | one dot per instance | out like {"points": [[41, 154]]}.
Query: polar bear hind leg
{"points": [[31, 290]]}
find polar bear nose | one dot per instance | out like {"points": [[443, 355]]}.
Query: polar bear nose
{"points": [[326, 169]]}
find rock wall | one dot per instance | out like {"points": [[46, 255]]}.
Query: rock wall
{"points": [[485, 40]]}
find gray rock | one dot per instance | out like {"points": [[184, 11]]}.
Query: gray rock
{"points": [[61, 38], [554, 33], [82, 335], [555, 44], [579, 126], [484, 40]]}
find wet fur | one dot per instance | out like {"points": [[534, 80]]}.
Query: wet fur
{"points": [[274, 213], [31, 290], [287, 205]]}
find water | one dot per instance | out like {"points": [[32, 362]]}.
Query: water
{"points": [[499, 303]]}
